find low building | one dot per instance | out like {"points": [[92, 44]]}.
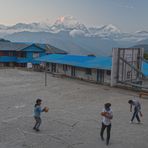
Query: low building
{"points": [[89, 68]]}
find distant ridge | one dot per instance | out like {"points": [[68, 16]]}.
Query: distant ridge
{"points": [[3, 40], [145, 46], [70, 35]]}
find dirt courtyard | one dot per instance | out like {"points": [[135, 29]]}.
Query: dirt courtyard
{"points": [[73, 120]]}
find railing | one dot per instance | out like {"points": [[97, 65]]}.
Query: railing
{"points": [[8, 59]]}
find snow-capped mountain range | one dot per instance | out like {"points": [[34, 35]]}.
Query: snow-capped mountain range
{"points": [[69, 34]]}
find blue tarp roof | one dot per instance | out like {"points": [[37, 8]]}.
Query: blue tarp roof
{"points": [[79, 61]]}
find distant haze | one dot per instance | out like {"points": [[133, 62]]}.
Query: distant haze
{"points": [[127, 15]]}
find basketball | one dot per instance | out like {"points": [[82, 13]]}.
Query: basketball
{"points": [[104, 113], [46, 109]]}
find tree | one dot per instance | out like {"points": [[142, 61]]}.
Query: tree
{"points": [[146, 56]]}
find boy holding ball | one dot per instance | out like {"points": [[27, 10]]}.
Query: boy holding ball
{"points": [[37, 114]]}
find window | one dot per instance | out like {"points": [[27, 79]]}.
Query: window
{"points": [[65, 67], [11, 53], [53, 67], [35, 55], [108, 72], [88, 71], [5, 53], [21, 54]]}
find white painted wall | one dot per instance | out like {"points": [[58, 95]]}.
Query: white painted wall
{"points": [[80, 73]]}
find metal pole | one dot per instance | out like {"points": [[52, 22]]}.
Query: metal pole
{"points": [[45, 74], [118, 62]]}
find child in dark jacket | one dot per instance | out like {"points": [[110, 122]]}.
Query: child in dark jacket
{"points": [[37, 114]]}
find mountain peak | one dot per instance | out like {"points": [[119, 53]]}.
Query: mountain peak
{"points": [[111, 28], [68, 23], [67, 20], [142, 32]]}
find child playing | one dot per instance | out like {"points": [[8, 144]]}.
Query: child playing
{"points": [[37, 114], [107, 115], [137, 109]]}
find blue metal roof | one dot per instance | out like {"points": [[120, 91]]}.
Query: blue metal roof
{"points": [[79, 61], [145, 68], [100, 62]]}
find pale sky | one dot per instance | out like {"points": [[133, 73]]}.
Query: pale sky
{"points": [[127, 15]]}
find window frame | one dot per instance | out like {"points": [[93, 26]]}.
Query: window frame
{"points": [[88, 71]]}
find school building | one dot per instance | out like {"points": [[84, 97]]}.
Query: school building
{"points": [[126, 65], [89, 68], [23, 55]]}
